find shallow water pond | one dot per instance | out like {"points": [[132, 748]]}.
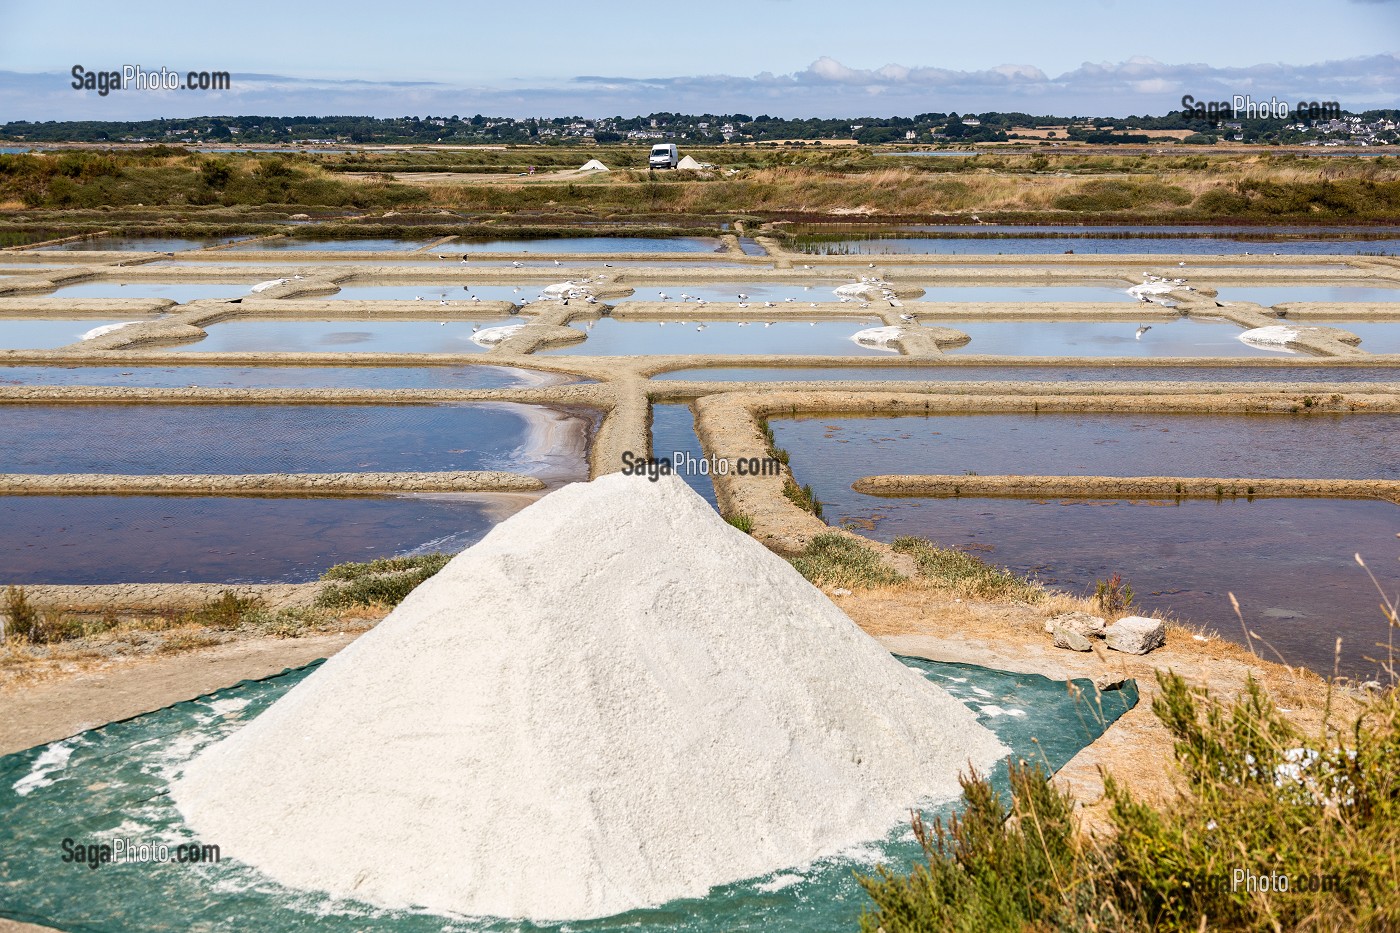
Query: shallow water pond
{"points": [[214, 539], [1040, 374], [612, 337], [1033, 293], [834, 451], [48, 333], [139, 244], [148, 439], [587, 244], [293, 244], [1177, 337], [282, 377], [175, 291], [359, 334], [1270, 295]]}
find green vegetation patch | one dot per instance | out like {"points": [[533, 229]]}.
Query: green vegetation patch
{"points": [[383, 582], [1273, 830], [966, 574], [839, 560]]}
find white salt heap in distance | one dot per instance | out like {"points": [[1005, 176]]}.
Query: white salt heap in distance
{"points": [[613, 700]]}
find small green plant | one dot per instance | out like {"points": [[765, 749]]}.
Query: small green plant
{"points": [[227, 612], [1114, 596], [743, 522], [966, 574], [802, 497], [383, 582], [834, 559]]}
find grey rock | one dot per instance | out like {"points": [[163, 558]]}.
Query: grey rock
{"points": [[1080, 623], [1069, 638], [1135, 635]]}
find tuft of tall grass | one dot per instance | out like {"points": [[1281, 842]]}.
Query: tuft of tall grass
{"points": [[839, 560], [965, 574]]}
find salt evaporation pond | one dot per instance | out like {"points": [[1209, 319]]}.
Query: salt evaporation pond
{"points": [[175, 291], [344, 335], [729, 292], [1175, 337], [673, 435], [1105, 245], [1271, 295], [834, 451], [48, 333], [1037, 293], [139, 244], [1289, 562], [223, 539], [587, 244], [1038, 374], [149, 439], [612, 337], [1376, 336], [699, 261], [283, 377], [455, 295], [293, 244]]}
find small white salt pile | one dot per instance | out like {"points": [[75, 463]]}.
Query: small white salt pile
{"points": [[612, 701], [880, 338], [1272, 337], [490, 336], [106, 329]]}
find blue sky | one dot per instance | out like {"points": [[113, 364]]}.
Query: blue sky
{"points": [[785, 57]]}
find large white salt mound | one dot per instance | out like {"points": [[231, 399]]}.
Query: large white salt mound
{"points": [[613, 700]]}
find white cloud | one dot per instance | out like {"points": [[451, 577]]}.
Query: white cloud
{"points": [[827, 87]]}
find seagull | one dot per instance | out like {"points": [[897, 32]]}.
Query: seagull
{"points": [[442, 323], [684, 297], [1182, 264], [475, 298], [769, 304], [417, 297], [768, 323], [700, 326], [442, 301], [906, 317], [440, 256], [664, 296], [607, 265], [517, 264], [556, 262], [789, 299], [1142, 330], [742, 305], [743, 297], [476, 327]]}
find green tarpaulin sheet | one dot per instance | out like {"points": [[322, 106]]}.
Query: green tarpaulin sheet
{"points": [[112, 782]]}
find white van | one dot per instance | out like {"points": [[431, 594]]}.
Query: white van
{"points": [[664, 155]]}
